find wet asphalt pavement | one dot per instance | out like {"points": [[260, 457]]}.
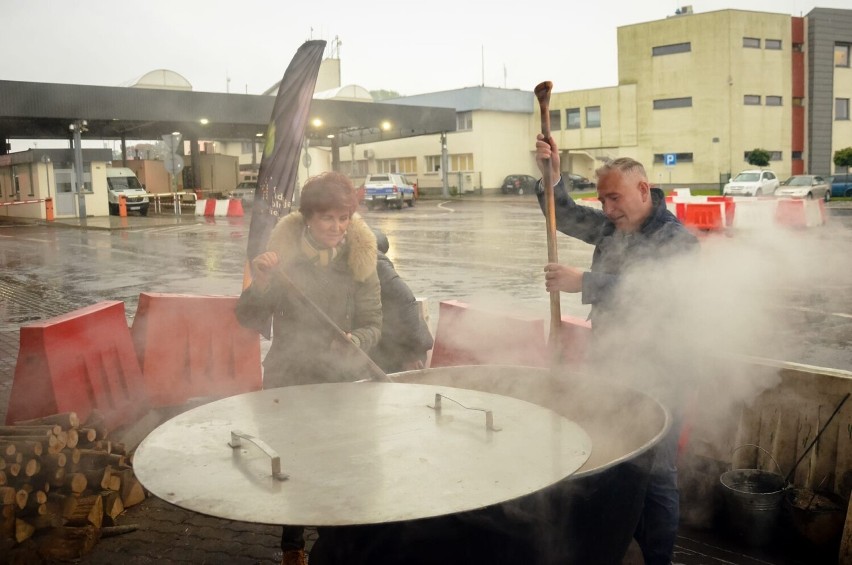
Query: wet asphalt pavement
{"points": [[485, 251]]}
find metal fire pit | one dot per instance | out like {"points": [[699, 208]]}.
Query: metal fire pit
{"points": [[588, 517], [346, 454]]}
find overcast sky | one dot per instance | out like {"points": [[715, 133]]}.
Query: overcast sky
{"points": [[408, 47]]}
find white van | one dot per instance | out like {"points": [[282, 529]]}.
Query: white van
{"points": [[122, 181]]}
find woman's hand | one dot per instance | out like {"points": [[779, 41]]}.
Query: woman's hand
{"points": [[262, 266], [562, 278]]}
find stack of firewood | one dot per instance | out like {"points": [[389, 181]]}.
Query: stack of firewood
{"points": [[61, 483]]}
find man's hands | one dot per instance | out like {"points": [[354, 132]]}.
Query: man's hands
{"points": [[562, 278], [262, 266], [544, 150]]}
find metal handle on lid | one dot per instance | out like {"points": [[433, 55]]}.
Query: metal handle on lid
{"points": [[236, 441], [489, 415]]}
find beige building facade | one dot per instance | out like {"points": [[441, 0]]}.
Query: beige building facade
{"points": [[695, 94]]}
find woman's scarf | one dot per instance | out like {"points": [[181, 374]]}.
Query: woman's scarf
{"points": [[316, 254]]}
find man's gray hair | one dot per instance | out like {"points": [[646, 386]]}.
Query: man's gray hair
{"points": [[625, 165]]}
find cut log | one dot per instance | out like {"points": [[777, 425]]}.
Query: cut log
{"points": [[3, 480], [94, 459], [78, 483], [98, 478], [7, 448], [32, 467], [131, 491], [61, 504], [65, 419], [73, 456], [45, 430], [7, 496], [89, 510], [68, 543], [110, 531], [47, 520], [53, 461], [7, 521], [13, 470], [21, 497], [113, 506], [32, 446], [97, 421], [23, 530], [73, 438], [87, 436]]}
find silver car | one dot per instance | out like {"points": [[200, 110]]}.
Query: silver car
{"points": [[805, 186]]}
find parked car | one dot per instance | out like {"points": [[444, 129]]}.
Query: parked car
{"points": [[577, 182], [805, 186], [245, 192], [388, 189], [841, 185], [518, 184], [752, 183]]}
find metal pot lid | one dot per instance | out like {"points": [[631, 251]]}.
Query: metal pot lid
{"points": [[357, 453]]}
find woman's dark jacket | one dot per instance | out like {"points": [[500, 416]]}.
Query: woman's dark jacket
{"points": [[405, 335], [347, 290]]}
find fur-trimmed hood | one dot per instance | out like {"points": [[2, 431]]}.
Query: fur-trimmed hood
{"points": [[360, 241]]}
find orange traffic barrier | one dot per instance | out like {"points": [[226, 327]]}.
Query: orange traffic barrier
{"points": [[235, 208], [122, 206], [791, 213], [192, 346], [48, 209], [468, 336], [704, 216], [730, 207], [78, 362], [574, 333]]}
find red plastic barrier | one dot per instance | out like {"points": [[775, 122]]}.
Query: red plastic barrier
{"points": [[730, 207], [575, 334], [210, 207], [78, 362], [791, 213], [705, 217], [235, 208], [193, 346], [468, 336], [680, 210]]}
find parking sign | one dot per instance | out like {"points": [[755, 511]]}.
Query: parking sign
{"points": [[670, 159]]}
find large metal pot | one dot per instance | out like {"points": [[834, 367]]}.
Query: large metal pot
{"points": [[587, 518]]}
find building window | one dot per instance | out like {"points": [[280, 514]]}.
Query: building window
{"points": [[245, 147], [841, 54], [773, 155], [593, 116], [556, 120], [400, 165], [797, 155], [774, 101], [798, 48], [681, 157], [666, 103], [751, 100], [772, 44], [464, 121], [572, 117], [433, 163], [841, 108], [461, 162], [751, 42], [671, 49]]}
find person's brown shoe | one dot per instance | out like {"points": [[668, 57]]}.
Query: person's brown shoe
{"points": [[294, 557]]}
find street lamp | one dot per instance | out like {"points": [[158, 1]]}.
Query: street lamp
{"points": [[77, 128], [46, 160]]}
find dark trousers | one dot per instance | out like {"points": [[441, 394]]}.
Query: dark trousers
{"points": [[657, 529], [293, 538]]}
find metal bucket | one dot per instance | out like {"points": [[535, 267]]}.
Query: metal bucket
{"points": [[589, 517], [753, 500]]}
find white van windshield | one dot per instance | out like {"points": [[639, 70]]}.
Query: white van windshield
{"points": [[120, 184]]}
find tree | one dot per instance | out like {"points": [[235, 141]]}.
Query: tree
{"points": [[384, 94], [843, 158], [758, 157]]}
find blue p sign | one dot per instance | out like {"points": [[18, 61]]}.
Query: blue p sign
{"points": [[671, 159]]}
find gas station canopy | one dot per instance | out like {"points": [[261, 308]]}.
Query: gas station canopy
{"points": [[30, 110]]}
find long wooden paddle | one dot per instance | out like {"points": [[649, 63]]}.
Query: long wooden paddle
{"points": [[542, 93]]}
